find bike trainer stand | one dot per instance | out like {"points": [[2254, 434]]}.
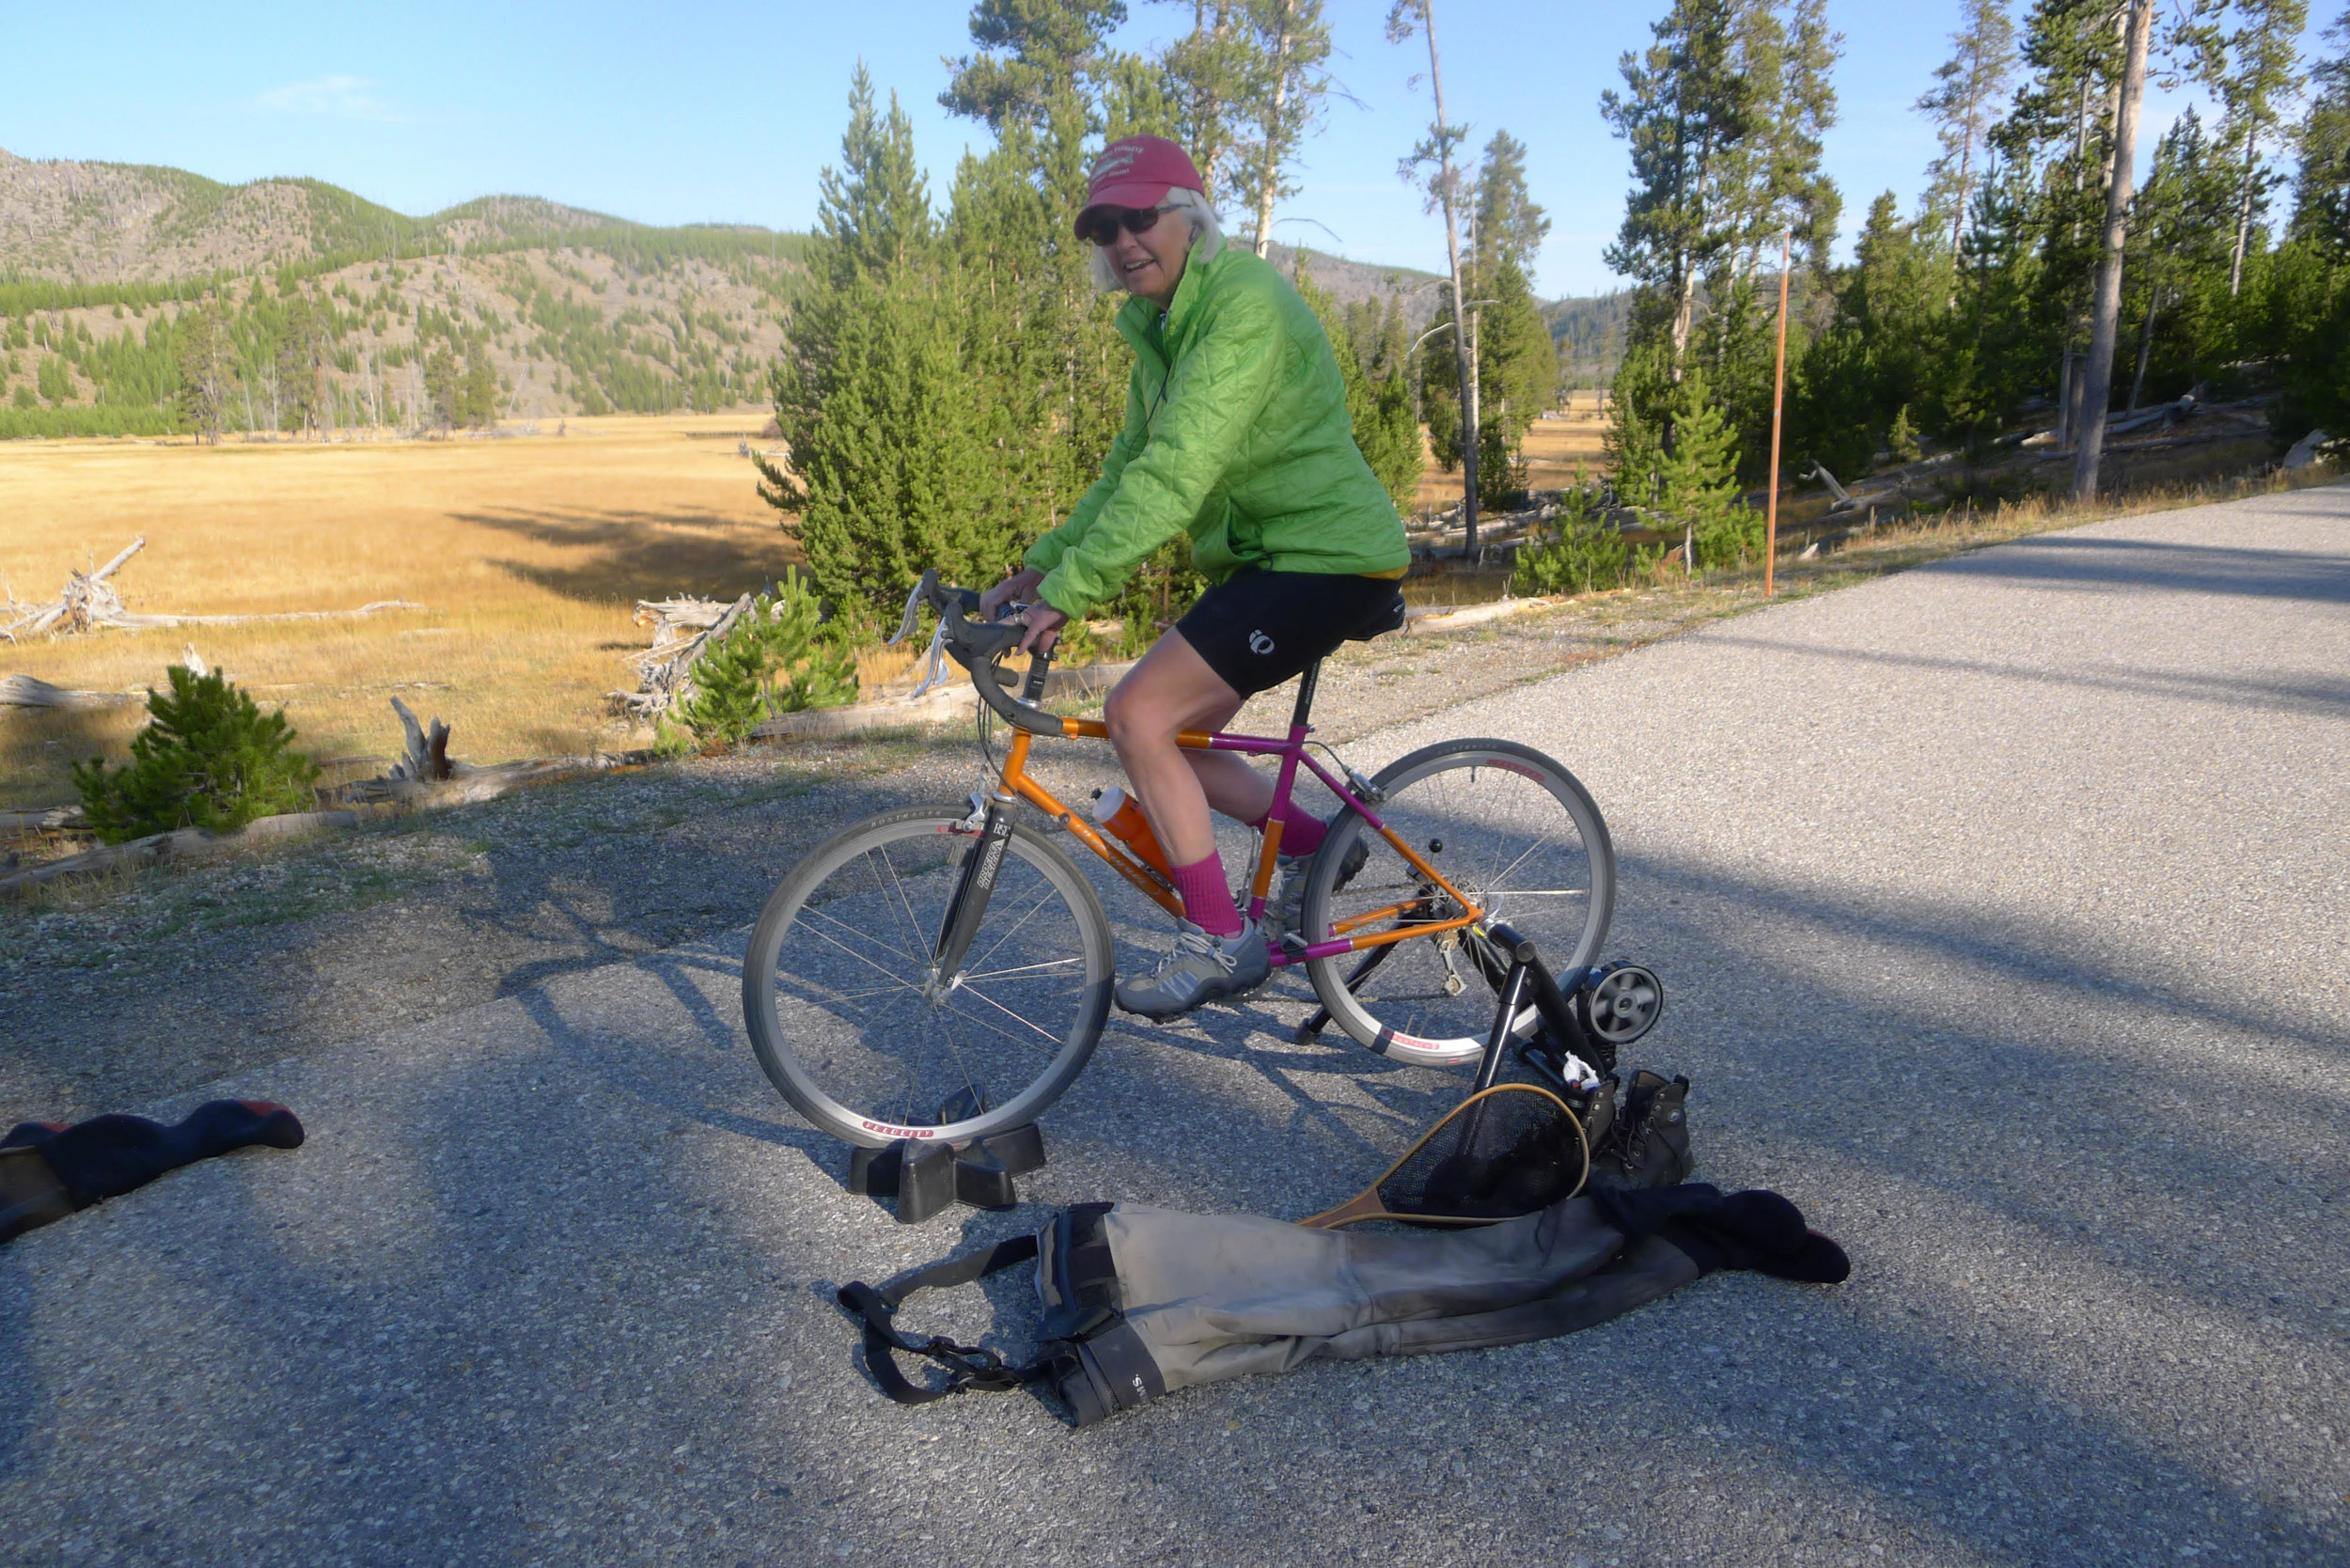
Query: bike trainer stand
{"points": [[927, 1176], [1577, 1033]]}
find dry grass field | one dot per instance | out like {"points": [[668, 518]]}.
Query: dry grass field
{"points": [[527, 554], [1555, 448]]}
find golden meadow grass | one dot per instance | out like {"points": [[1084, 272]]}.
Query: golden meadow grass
{"points": [[527, 554]]}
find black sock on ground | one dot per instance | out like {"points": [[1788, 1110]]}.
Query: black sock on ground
{"points": [[109, 1156]]}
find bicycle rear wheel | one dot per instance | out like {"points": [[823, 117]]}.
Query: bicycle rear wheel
{"points": [[1511, 829], [855, 1029]]}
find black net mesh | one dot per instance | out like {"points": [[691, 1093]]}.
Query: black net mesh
{"points": [[1510, 1152]]}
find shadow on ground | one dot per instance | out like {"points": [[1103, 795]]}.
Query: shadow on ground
{"points": [[638, 554]]}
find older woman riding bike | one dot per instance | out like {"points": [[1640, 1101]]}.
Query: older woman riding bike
{"points": [[1237, 436]]}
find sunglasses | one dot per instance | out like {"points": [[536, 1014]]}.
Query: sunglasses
{"points": [[1103, 227]]}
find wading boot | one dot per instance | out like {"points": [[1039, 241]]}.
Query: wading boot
{"points": [[1648, 1146]]}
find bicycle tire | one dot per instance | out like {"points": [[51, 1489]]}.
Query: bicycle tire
{"points": [[872, 1063], [1492, 809]]}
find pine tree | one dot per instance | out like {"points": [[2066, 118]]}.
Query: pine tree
{"points": [[2179, 257], [1290, 42], [443, 390], [1509, 226], [1877, 359], [202, 351], [1683, 106], [477, 403], [2253, 70], [2305, 294], [207, 757], [2321, 186], [1963, 109], [1430, 163], [1029, 52], [1385, 431], [1701, 478]]}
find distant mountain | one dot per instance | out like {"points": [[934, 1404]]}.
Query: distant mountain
{"points": [[572, 311], [140, 222]]}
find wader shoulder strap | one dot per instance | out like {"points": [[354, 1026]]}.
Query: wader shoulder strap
{"points": [[969, 1366]]}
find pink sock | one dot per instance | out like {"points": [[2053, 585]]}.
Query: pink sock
{"points": [[1301, 835], [1207, 897]]}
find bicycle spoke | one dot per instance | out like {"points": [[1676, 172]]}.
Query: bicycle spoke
{"points": [[860, 934], [1024, 969], [1008, 1013], [858, 956], [1023, 919], [914, 924]]}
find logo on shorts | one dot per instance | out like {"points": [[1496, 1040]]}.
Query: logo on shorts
{"points": [[1260, 644]]}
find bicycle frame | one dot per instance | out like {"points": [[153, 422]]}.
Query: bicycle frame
{"points": [[1348, 936]]}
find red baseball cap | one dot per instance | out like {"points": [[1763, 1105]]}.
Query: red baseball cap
{"points": [[1138, 171]]}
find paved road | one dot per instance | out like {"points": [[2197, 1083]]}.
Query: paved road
{"points": [[2003, 905]]}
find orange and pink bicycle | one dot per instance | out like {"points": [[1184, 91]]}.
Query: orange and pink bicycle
{"points": [[945, 973]]}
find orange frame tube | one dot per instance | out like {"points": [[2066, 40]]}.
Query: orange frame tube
{"points": [[1016, 780]]}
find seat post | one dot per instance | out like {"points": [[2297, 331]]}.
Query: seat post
{"points": [[1305, 695]]}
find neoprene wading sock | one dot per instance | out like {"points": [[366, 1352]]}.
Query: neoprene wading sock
{"points": [[1755, 1229], [109, 1156], [1207, 897]]}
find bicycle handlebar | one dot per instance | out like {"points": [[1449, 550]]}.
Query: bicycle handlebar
{"points": [[977, 646]]}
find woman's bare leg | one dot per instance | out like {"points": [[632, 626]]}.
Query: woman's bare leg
{"points": [[1170, 691]]}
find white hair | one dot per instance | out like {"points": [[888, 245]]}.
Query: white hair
{"points": [[1204, 227]]}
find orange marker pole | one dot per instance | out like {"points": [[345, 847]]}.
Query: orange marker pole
{"points": [[1778, 409]]}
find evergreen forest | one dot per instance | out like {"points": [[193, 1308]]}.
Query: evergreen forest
{"points": [[1972, 321]]}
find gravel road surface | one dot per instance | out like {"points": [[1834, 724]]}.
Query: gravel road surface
{"points": [[2002, 906]]}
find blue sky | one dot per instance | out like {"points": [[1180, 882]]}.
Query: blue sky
{"points": [[728, 112]]}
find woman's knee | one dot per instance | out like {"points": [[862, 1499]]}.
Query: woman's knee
{"points": [[1133, 717]]}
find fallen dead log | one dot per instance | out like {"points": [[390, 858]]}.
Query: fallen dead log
{"points": [[89, 601], [140, 622], [46, 819], [683, 630], [468, 784], [948, 704], [184, 844], [427, 753], [26, 691]]}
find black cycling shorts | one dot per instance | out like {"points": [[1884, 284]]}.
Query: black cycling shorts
{"points": [[1261, 627]]}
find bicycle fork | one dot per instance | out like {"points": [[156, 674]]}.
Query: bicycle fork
{"points": [[968, 907]]}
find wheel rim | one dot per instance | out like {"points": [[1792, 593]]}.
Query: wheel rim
{"points": [[1510, 830], [862, 1035]]}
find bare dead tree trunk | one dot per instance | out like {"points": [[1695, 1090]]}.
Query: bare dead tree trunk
{"points": [[2145, 347], [2244, 208], [1269, 176], [1465, 365], [2105, 311]]}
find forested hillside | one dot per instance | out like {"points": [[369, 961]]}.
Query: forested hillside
{"points": [[137, 300]]}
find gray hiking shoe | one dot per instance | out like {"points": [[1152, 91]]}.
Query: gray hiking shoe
{"points": [[1201, 970], [1286, 910]]}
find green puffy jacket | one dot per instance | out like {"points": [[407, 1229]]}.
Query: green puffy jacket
{"points": [[1237, 433]]}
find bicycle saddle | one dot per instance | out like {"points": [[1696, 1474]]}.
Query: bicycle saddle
{"points": [[1388, 618]]}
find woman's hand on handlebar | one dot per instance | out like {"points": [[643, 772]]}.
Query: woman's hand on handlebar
{"points": [[1043, 624], [1020, 585]]}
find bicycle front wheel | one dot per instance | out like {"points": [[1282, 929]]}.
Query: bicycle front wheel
{"points": [[1512, 831], [855, 1027]]}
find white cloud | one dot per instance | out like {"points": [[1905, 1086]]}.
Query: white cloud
{"points": [[329, 97]]}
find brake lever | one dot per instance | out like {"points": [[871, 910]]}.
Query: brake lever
{"points": [[912, 618], [935, 659]]}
